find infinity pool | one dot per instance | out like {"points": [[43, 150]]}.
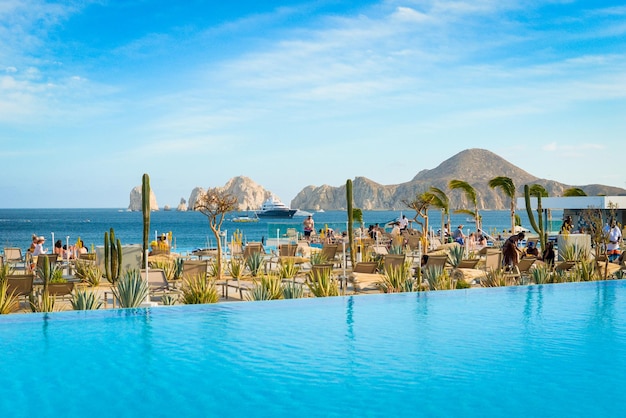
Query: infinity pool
{"points": [[553, 350]]}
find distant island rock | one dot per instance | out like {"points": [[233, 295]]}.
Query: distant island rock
{"points": [[475, 166], [135, 200], [182, 206]]}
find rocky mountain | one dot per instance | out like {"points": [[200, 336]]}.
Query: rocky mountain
{"points": [[135, 200], [475, 166], [250, 195]]}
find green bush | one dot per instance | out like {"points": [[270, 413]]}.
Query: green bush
{"points": [[131, 290], [199, 289], [84, 300]]}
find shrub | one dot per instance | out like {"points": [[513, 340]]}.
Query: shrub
{"points": [[397, 279], [235, 267], [199, 289], [268, 288], [321, 284], [131, 290], [293, 290], [8, 301], [437, 278], [288, 269], [254, 262], [84, 300]]}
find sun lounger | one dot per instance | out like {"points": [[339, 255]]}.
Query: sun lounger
{"points": [[20, 284]]}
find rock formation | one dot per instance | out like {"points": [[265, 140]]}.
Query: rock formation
{"points": [[475, 166], [250, 195], [135, 200], [182, 206]]}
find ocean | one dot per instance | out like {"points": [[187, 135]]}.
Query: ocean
{"points": [[190, 230]]}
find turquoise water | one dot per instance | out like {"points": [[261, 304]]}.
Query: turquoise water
{"points": [[552, 350]]}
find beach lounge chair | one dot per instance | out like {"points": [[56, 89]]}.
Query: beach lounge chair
{"points": [[157, 281], [468, 263], [364, 276], [287, 250], [564, 266], [192, 268], [493, 260], [20, 284], [252, 248], [521, 270], [13, 256], [391, 261], [329, 253], [52, 258]]}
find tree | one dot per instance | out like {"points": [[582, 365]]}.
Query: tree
{"points": [[215, 204], [470, 194], [440, 200], [506, 185], [573, 192], [420, 205]]}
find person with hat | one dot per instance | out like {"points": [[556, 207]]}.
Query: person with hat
{"points": [[531, 250], [39, 247]]}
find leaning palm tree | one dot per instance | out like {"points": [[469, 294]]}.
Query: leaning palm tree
{"points": [[439, 199], [506, 185], [470, 194], [574, 192]]}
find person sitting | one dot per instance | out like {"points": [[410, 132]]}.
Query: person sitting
{"points": [[39, 247], [458, 235], [548, 255], [58, 248], [567, 225], [531, 250]]}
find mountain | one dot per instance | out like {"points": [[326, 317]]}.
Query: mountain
{"points": [[250, 195], [475, 166]]}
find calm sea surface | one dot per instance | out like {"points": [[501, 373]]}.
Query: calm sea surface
{"points": [[190, 229]]}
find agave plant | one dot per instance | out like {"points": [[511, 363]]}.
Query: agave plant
{"points": [[5, 270], [254, 262], [574, 252], [321, 284], [131, 290], [199, 289], [168, 300], [396, 249], [494, 278], [41, 302], [293, 290], [84, 300], [271, 288], [318, 258], [541, 275], [236, 266], [585, 271], [437, 278], [8, 301], [288, 269], [456, 254], [397, 279], [88, 271]]}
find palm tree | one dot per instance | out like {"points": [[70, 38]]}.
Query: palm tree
{"points": [[440, 200], [574, 191], [470, 194], [505, 184]]}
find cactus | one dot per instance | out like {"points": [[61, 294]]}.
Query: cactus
{"points": [[145, 208], [350, 220], [539, 228], [112, 257]]}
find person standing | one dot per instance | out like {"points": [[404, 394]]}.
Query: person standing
{"points": [[510, 252], [404, 223], [614, 235], [309, 227]]}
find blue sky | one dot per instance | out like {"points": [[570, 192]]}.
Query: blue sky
{"points": [[295, 93]]}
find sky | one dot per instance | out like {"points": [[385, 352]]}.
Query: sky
{"points": [[296, 93]]}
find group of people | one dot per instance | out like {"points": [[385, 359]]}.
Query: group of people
{"points": [[37, 248]]}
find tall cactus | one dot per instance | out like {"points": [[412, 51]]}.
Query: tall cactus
{"points": [[539, 228], [112, 257], [350, 220], [145, 207]]}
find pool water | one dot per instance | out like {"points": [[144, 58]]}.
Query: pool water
{"points": [[551, 350]]}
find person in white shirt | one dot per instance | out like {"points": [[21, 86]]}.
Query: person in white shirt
{"points": [[39, 247], [615, 236], [404, 223]]}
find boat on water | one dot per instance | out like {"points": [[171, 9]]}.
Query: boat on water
{"points": [[274, 208], [246, 218]]}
